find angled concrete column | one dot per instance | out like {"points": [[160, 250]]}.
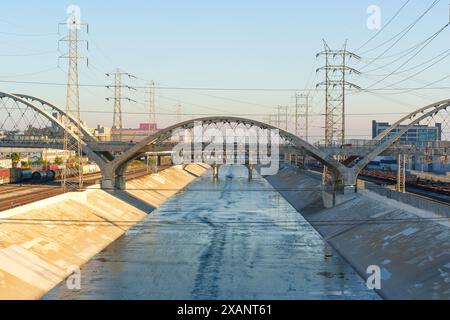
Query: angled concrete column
{"points": [[120, 182], [341, 188], [158, 160], [108, 177], [216, 171], [250, 168]]}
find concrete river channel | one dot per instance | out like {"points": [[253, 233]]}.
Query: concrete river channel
{"points": [[226, 239]]}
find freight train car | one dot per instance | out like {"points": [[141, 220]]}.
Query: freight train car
{"points": [[17, 175], [4, 176], [43, 173], [43, 176]]}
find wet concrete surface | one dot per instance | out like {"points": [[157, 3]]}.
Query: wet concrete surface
{"points": [[226, 239]]}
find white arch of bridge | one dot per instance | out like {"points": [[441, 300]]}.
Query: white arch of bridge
{"points": [[117, 166], [416, 117], [30, 104]]}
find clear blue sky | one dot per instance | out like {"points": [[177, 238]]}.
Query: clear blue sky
{"points": [[237, 44]]}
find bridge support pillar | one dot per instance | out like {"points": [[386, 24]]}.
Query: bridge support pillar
{"points": [[107, 184], [107, 181], [338, 188], [250, 168], [113, 179], [120, 182], [158, 160], [216, 171]]}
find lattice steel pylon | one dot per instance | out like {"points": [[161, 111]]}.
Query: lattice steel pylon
{"points": [[117, 113], [401, 173], [302, 116], [72, 145], [282, 117], [152, 104], [179, 113], [117, 116], [335, 85]]}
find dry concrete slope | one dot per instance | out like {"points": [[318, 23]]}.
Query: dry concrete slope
{"points": [[42, 242], [411, 246]]}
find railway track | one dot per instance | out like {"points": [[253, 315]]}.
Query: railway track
{"points": [[417, 190], [12, 196], [420, 191]]}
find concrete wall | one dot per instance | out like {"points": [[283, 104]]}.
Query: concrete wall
{"points": [[408, 198], [41, 242], [410, 245]]}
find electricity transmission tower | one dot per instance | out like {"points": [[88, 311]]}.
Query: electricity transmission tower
{"points": [[335, 84], [72, 143], [179, 113], [151, 106], [273, 120], [282, 117], [302, 116], [117, 115]]}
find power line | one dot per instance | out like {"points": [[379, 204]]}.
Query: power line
{"points": [[31, 74], [403, 33], [219, 89], [412, 57], [420, 44], [430, 84], [242, 114], [384, 27], [28, 54], [406, 70], [419, 72]]}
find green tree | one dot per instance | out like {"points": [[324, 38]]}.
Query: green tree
{"points": [[24, 164], [40, 160], [15, 158], [58, 160]]}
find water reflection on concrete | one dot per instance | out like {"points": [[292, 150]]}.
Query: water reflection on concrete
{"points": [[220, 240]]}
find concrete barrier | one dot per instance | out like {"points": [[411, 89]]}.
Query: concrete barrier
{"points": [[411, 199], [411, 246], [41, 243]]}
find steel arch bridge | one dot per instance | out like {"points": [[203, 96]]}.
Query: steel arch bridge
{"points": [[115, 169], [27, 120], [23, 117], [434, 114]]}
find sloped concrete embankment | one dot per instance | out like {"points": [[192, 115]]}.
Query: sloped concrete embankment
{"points": [[410, 245], [41, 243]]}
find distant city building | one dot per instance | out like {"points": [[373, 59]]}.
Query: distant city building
{"points": [[32, 154], [101, 133], [416, 133], [134, 134], [5, 163]]}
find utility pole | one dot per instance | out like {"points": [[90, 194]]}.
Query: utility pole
{"points": [[151, 105], [117, 114], [179, 113], [401, 173], [335, 83], [282, 117], [273, 120], [302, 116], [72, 143]]}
